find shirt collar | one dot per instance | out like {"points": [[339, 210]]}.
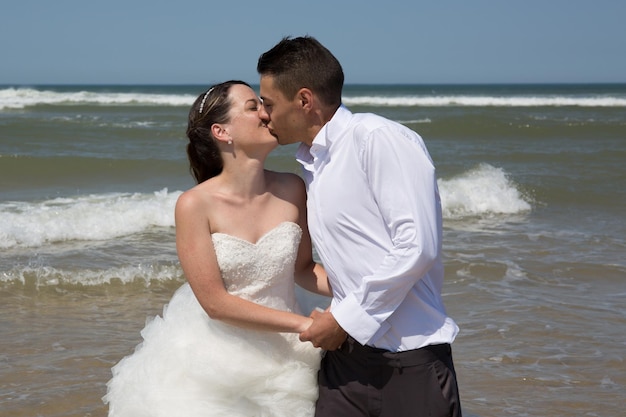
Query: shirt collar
{"points": [[305, 153], [329, 130]]}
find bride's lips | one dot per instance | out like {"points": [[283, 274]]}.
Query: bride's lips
{"points": [[270, 130]]}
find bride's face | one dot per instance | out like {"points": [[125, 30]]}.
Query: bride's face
{"points": [[246, 125]]}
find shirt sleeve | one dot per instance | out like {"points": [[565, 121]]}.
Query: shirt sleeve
{"points": [[401, 177]]}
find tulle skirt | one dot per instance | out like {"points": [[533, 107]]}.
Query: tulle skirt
{"points": [[189, 365]]}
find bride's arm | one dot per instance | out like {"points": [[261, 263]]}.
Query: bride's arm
{"points": [[309, 275], [199, 262]]}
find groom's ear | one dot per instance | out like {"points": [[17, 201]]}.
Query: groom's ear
{"points": [[305, 97]]}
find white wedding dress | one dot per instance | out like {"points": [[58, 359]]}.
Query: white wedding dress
{"points": [[190, 365]]}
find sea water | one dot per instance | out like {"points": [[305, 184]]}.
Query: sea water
{"points": [[533, 187]]}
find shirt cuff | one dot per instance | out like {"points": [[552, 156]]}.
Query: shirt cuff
{"points": [[356, 321]]}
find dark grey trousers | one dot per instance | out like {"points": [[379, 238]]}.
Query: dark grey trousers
{"points": [[361, 381]]}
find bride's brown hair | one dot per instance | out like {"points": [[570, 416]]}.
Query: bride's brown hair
{"points": [[209, 108]]}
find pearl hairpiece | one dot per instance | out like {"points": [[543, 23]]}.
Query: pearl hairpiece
{"points": [[204, 99]]}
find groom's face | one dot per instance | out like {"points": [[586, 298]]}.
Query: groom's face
{"points": [[282, 115]]}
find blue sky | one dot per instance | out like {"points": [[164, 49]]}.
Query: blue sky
{"points": [[382, 41]]}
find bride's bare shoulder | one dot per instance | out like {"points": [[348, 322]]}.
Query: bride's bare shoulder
{"points": [[197, 198]]}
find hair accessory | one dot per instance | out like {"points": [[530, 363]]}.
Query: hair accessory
{"points": [[204, 99]]}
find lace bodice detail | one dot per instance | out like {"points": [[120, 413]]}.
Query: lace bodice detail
{"points": [[262, 272]]}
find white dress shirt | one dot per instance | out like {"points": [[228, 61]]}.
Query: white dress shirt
{"points": [[375, 219]]}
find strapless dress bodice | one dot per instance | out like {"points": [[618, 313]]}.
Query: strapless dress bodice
{"points": [[261, 271]]}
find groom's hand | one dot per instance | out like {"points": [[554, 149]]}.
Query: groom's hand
{"points": [[325, 332]]}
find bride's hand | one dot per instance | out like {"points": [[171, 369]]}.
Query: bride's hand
{"points": [[306, 323]]}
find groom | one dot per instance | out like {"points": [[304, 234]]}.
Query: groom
{"points": [[375, 219]]}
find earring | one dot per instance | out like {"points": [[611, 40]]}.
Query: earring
{"points": [[230, 142]]}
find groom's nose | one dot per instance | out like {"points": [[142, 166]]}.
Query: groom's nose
{"points": [[263, 114]]}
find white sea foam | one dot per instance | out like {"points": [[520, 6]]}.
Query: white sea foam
{"points": [[92, 217], [416, 121], [481, 191], [19, 98], [484, 190], [485, 101], [43, 276]]}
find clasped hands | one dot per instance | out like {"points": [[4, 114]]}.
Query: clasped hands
{"points": [[325, 332]]}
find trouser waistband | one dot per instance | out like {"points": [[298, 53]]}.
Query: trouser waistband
{"points": [[402, 359]]}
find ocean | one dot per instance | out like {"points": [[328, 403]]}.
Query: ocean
{"points": [[533, 187]]}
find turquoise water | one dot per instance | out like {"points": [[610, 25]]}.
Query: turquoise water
{"points": [[533, 185]]}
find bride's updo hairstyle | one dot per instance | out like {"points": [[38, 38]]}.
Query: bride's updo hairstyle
{"points": [[209, 108]]}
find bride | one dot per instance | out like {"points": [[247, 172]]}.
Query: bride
{"points": [[227, 344]]}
